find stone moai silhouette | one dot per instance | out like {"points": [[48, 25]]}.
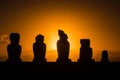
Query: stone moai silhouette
{"points": [[104, 57], [85, 55], [63, 47], [14, 49], [39, 49]]}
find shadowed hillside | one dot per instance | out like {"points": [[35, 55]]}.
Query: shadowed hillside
{"points": [[51, 69]]}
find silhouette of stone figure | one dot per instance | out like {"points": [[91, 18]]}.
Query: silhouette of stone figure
{"points": [[39, 49], [104, 56], [14, 49], [63, 47], [85, 51]]}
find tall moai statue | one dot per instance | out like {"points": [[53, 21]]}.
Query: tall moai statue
{"points": [[63, 47], [104, 58], [85, 51], [39, 49], [14, 49]]}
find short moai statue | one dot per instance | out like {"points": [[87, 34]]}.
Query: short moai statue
{"points": [[14, 49], [39, 49], [85, 55]]}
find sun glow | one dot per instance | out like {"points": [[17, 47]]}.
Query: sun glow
{"points": [[53, 43]]}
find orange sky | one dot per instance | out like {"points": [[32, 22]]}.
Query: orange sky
{"points": [[98, 21]]}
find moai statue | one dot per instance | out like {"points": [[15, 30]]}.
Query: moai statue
{"points": [[104, 58], [85, 51], [14, 49], [39, 49], [63, 47]]}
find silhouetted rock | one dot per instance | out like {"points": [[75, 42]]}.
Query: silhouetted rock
{"points": [[63, 47], [14, 49], [39, 49], [85, 51], [104, 56]]}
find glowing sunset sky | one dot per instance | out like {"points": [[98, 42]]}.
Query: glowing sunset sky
{"points": [[98, 20]]}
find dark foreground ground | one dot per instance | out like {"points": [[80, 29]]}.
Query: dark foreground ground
{"points": [[52, 69]]}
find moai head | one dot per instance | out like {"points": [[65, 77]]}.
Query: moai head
{"points": [[85, 42], [105, 54], [39, 38], [14, 38], [62, 35]]}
